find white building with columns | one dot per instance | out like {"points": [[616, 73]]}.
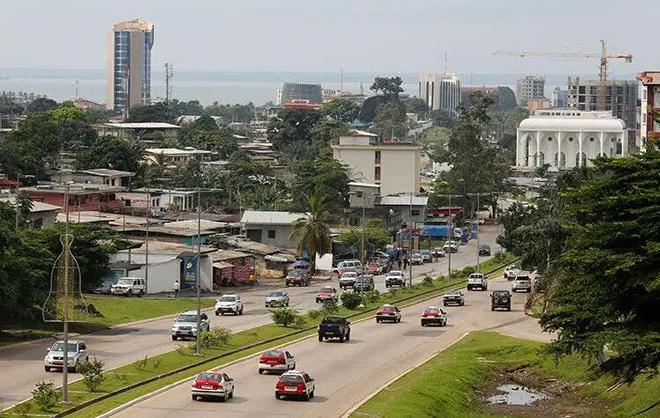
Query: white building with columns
{"points": [[567, 138]]}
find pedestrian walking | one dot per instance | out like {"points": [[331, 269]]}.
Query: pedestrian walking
{"points": [[175, 288], [405, 262]]}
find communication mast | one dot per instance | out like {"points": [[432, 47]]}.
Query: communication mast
{"points": [[169, 73]]}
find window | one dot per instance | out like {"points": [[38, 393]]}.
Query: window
{"points": [[377, 173], [271, 234], [415, 212], [377, 157]]}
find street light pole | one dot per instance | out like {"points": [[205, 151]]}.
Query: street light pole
{"points": [[197, 271], [146, 245], [65, 300], [477, 216], [410, 241], [450, 236]]}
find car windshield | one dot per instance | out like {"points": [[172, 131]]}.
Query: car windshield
{"points": [[125, 282], [522, 278], [333, 320], [276, 294], [453, 293], [432, 310], [187, 318], [350, 274], [273, 353], [227, 299], [291, 378], [208, 376], [297, 273], [395, 273], [59, 346], [425, 252], [501, 293], [327, 290]]}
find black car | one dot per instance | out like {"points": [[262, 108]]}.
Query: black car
{"points": [[500, 299], [484, 250], [298, 277], [334, 327]]}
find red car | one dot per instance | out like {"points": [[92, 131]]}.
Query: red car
{"points": [[434, 316], [295, 383], [388, 313], [213, 385], [276, 360], [327, 293]]}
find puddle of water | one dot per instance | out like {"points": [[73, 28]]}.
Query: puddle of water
{"points": [[514, 394]]}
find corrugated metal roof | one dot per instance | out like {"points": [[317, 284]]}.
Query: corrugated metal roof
{"points": [[261, 217], [403, 201]]}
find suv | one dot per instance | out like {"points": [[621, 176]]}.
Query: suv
{"points": [[185, 325], [129, 286], [295, 383], [76, 352], [229, 304], [276, 361], [453, 296], [334, 327], [277, 298], [363, 284], [298, 277], [395, 278], [500, 299], [477, 281], [347, 279], [388, 313], [348, 265], [522, 282]]}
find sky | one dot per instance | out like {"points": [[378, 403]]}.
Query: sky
{"points": [[388, 36]]}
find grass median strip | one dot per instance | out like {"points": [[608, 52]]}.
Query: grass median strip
{"points": [[456, 382], [150, 374]]}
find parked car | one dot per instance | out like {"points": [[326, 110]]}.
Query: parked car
{"points": [[523, 283], [450, 247], [295, 383], [395, 278], [500, 299], [416, 259], [426, 256], [104, 289], [229, 304], [185, 325], [434, 316], [484, 250], [438, 252], [277, 298], [379, 265], [298, 277], [363, 283], [347, 279], [348, 265], [216, 385], [510, 272], [76, 354], [129, 286], [388, 313], [453, 296], [477, 281], [276, 361], [327, 293], [334, 327]]}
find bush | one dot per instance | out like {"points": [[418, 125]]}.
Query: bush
{"points": [[215, 338], [351, 300], [45, 395], [314, 313], [427, 280], [329, 307], [467, 270], [372, 296], [300, 322], [92, 373], [284, 316]]}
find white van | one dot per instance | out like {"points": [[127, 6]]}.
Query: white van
{"points": [[129, 286]]}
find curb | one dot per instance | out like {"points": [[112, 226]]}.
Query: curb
{"points": [[377, 391]]}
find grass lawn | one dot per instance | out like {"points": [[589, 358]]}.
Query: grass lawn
{"points": [[449, 384]]}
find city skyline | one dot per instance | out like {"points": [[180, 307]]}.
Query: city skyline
{"points": [[250, 36]]}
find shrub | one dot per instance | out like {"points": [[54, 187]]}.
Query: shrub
{"points": [[215, 338], [351, 300], [45, 395], [141, 364], [300, 322], [314, 313], [427, 280], [329, 307], [372, 295], [284, 316], [156, 363], [92, 373], [467, 270]]}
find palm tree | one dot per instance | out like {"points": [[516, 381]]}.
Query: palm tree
{"points": [[311, 231]]}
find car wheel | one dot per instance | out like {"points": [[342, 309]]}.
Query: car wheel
{"points": [[224, 397], [261, 371], [318, 301], [293, 366], [129, 294], [492, 308], [47, 368], [231, 394], [277, 395], [462, 303], [422, 323], [320, 337], [194, 398], [311, 394], [306, 396], [444, 304], [377, 321], [141, 293], [341, 339], [173, 337], [348, 336], [508, 309], [241, 312]]}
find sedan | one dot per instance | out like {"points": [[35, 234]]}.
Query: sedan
{"points": [[295, 383], [277, 298], [438, 252], [276, 361], [484, 250], [216, 385], [453, 296], [416, 259], [298, 277], [388, 313], [434, 316], [426, 255], [450, 247], [327, 293]]}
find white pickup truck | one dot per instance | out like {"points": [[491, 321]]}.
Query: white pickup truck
{"points": [[477, 281]]}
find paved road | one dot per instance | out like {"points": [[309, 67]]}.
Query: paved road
{"points": [[346, 373], [22, 365]]}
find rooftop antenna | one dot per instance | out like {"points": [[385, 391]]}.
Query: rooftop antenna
{"points": [[169, 73]]}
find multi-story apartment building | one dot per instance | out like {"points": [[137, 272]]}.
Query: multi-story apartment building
{"points": [[530, 87], [300, 91], [620, 98], [395, 166], [649, 128], [129, 64], [440, 91]]}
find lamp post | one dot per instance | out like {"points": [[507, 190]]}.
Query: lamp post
{"points": [[410, 240], [476, 219], [146, 244], [65, 304]]}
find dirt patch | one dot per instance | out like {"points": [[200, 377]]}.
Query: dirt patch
{"points": [[563, 402]]}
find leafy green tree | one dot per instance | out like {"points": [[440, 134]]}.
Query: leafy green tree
{"points": [[390, 87], [192, 107], [374, 234], [312, 233], [435, 140], [41, 104], [443, 118], [607, 294], [416, 105], [232, 113], [157, 112], [370, 107], [8, 106], [324, 133], [291, 131], [342, 110], [325, 175], [391, 119], [114, 153]]}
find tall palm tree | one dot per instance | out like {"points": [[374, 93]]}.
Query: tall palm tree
{"points": [[311, 231]]}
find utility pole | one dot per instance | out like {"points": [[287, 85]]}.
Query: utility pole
{"points": [[197, 272], [65, 299], [450, 233], [169, 73], [146, 245], [410, 241]]}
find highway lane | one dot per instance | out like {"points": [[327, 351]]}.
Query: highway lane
{"points": [[346, 373], [22, 365]]}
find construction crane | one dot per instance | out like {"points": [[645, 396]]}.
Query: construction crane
{"points": [[603, 56]]}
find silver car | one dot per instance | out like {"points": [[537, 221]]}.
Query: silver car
{"points": [[76, 353], [185, 325], [277, 298]]}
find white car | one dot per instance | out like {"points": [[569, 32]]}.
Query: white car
{"points": [[477, 281], [217, 385], [229, 304], [521, 283], [185, 325], [511, 272], [129, 286], [76, 353]]}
